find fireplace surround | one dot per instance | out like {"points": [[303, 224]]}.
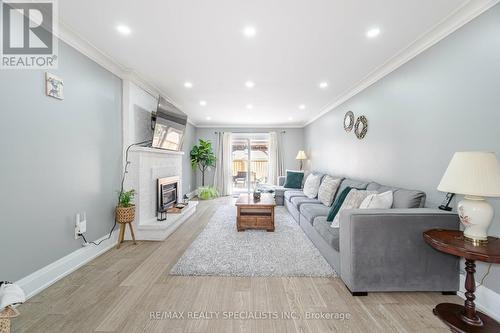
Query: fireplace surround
{"points": [[147, 166]]}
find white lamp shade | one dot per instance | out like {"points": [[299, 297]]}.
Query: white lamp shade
{"points": [[472, 173], [301, 155]]}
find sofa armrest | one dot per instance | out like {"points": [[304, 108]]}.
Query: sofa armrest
{"points": [[281, 180], [384, 250]]}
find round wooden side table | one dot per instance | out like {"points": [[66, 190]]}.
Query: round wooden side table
{"points": [[465, 318]]}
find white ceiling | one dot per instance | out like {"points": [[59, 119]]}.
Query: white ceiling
{"points": [[298, 44]]}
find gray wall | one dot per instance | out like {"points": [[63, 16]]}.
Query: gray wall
{"points": [[188, 174], [293, 142], [58, 158], [445, 100]]}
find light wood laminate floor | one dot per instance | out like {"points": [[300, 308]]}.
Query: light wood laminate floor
{"points": [[118, 292]]}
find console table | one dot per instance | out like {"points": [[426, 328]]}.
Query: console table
{"points": [[465, 318]]}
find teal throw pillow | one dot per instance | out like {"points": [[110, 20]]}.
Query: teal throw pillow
{"points": [[337, 204], [294, 179]]}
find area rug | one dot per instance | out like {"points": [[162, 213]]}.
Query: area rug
{"points": [[220, 250]]}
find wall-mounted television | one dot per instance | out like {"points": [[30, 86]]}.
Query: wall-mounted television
{"points": [[169, 126]]}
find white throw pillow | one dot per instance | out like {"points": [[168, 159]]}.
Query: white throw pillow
{"points": [[352, 201], [311, 185], [327, 190], [378, 201]]}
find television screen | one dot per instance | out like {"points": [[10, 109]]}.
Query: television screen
{"points": [[169, 126]]}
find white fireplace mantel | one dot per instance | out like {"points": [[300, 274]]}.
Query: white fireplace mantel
{"points": [[146, 166], [155, 150]]}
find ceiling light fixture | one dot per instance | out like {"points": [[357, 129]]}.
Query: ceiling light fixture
{"points": [[249, 106], [249, 84], [208, 118], [323, 85], [123, 29], [203, 103], [188, 85], [249, 31], [373, 32], [302, 106], [290, 118]]}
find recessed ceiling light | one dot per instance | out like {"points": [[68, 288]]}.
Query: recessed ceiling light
{"points": [[208, 118], [249, 84], [323, 85], [203, 103], [249, 31], [290, 118], [249, 106], [188, 85], [373, 32], [123, 29], [302, 106]]}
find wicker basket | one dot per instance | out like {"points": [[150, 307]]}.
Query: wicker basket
{"points": [[5, 316], [125, 214]]}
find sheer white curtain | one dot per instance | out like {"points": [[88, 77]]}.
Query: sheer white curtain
{"points": [[276, 160], [223, 173]]}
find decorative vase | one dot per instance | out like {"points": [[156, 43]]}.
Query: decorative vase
{"points": [[476, 215], [256, 195], [125, 214]]}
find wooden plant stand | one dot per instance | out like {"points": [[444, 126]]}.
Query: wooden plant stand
{"points": [[121, 235]]}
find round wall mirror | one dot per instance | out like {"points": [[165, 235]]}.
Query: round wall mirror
{"points": [[348, 121], [361, 127]]}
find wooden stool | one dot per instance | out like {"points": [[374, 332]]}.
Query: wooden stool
{"points": [[122, 233]]}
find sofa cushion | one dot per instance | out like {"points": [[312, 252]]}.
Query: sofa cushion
{"points": [[289, 194], [357, 184], [311, 185], [294, 179], [402, 198], [330, 235], [378, 201], [297, 201], [328, 189], [339, 200], [309, 211], [352, 201]]}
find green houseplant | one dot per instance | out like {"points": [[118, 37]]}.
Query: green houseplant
{"points": [[202, 157], [125, 211]]}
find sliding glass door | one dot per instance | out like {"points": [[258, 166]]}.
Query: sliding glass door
{"points": [[250, 165]]}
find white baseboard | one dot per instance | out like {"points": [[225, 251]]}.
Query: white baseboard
{"points": [[486, 300], [50, 274]]}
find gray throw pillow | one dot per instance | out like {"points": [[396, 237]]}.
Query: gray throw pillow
{"points": [[327, 190]]}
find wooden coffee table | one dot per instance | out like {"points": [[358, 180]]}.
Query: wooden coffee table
{"points": [[255, 214]]}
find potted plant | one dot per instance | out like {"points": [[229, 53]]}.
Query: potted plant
{"points": [[125, 211], [203, 157]]}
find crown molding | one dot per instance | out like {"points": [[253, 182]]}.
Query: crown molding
{"points": [[84, 46], [248, 126], [444, 28]]}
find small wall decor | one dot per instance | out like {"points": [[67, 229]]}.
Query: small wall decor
{"points": [[54, 86], [361, 127], [348, 121]]}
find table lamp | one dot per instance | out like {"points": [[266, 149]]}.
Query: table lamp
{"points": [[475, 175], [301, 155]]}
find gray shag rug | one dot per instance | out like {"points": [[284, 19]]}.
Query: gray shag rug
{"points": [[219, 250]]}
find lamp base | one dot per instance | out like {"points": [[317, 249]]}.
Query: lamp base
{"points": [[476, 215]]}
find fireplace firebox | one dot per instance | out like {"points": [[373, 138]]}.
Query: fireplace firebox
{"points": [[167, 196]]}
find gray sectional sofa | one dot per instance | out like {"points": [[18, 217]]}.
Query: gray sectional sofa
{"points": [[378, 249]]}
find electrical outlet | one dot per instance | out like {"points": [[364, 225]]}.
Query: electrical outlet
{"points": [[80, 225]]}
